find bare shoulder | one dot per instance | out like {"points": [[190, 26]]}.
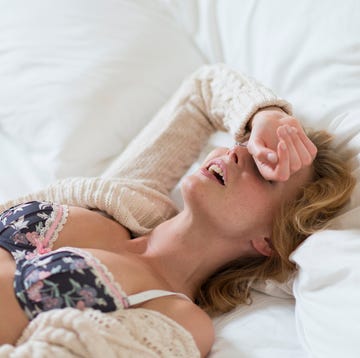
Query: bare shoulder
{"points": [[193, 319], [200, 325]]}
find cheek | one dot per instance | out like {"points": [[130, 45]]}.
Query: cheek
{"points": [[218, 152], [254, 203]]}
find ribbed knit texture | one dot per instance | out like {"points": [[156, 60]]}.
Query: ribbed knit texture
{"points": [[130, 333], [135, 190]]}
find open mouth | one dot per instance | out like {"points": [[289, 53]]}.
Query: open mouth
{"points": [[217, 172]]}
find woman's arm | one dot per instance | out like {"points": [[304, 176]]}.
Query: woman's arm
{"points": [[213, 98], [135, 189]]}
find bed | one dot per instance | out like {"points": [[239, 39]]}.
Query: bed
{"points": [[69, 67]]}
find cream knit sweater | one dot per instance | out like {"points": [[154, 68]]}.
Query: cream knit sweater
{"points": [[131, 333], [135, 190]]}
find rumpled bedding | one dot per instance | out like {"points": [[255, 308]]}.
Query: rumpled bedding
{"points": [[70, 69]]}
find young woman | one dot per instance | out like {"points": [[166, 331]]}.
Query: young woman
{"points": [[245, 210]]}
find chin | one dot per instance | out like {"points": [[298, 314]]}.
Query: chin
{"points": [[197, 195], [188, 184], [192, 188]]}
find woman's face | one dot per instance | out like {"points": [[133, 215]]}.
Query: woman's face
{"points": [[233, 197]]}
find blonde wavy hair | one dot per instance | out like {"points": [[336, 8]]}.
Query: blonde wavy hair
{"points": [[317, 203]]}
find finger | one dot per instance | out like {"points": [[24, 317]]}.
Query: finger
{"points": [[282, 172], [261, 153], [305, 156], [266, 171], [309, 145], [285, 133]]}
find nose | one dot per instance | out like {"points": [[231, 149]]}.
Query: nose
{"points": [[233, 156], [239, 152]]}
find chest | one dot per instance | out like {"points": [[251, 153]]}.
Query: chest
{"points": [[129, 271], [89, 229]]}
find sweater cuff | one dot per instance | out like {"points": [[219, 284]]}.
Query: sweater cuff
{"points": [[237, 97]]}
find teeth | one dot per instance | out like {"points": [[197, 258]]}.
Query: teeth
{"points": [[216, 169]]}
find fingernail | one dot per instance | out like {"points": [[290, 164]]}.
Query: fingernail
{"points": [[272, 157], [289, 129], [282, 145]]}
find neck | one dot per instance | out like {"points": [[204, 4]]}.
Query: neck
{"points": [[184, 253]]}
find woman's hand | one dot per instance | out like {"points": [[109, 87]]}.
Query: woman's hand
{"points": [[279, 144]]}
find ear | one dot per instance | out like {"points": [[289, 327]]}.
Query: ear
{"points": [[262, 245]]}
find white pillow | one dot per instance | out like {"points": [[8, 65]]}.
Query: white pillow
{"points": [[327, 291], [307, 51], [78, 79], [264, 329], [326, 287]]}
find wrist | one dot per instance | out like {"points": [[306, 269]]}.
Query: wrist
{"points": [[260, 112]]}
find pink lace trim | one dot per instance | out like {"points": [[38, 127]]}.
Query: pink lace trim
{"points": [[50, 232], [104, 275]]}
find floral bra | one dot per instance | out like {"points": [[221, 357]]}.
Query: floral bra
{"points": [[46, 279]]}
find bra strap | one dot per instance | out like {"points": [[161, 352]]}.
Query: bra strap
{"points": [[145, 296]]}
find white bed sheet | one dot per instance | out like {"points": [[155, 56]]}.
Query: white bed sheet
{"points": [[66, 67], [19, 174]]}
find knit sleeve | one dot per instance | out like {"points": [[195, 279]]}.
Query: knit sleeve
{"points": [[90, 333], [135, 189], [214, 98]]}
